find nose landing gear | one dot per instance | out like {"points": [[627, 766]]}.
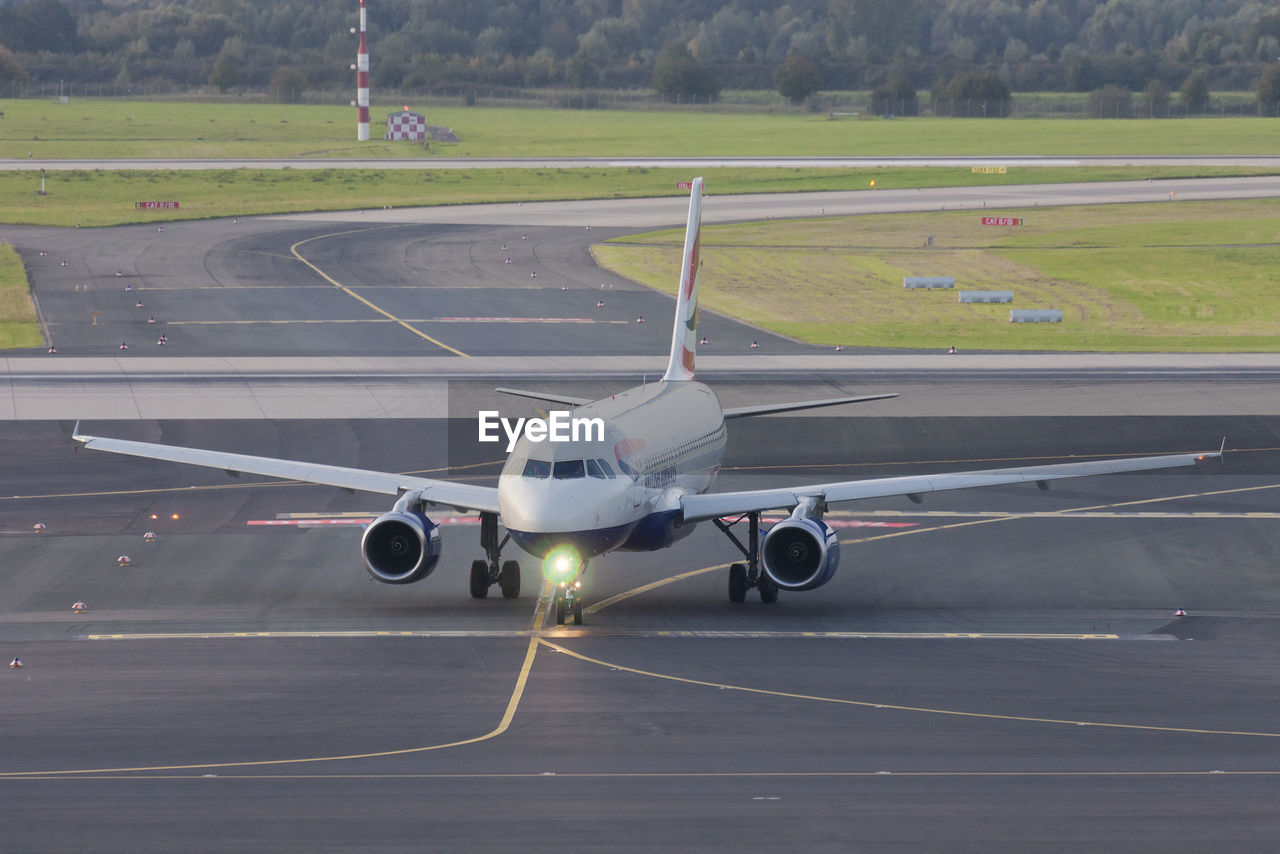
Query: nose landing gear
{"points": [[567, 600], [492, 569]]}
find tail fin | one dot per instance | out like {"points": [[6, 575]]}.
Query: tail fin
{"points": [[684, 335]]}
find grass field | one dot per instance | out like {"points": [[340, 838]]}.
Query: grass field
{"points": [[1160, 277], [107, 197], [141, 129], [18, 327], [1188, 277]]}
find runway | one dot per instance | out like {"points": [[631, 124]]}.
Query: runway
{"points": [[990, 670]]}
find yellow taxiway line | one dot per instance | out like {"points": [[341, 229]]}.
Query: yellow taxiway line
{"points": [[513, 703], [346, 290], [866, 704]]}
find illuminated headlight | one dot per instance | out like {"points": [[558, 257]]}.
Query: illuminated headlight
{"points": [[561, 564]]}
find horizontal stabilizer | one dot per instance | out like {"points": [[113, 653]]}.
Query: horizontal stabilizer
{"points": [[769, 408], [566, 399]]}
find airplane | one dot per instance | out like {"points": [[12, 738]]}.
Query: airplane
{"points": [[638, 483]]}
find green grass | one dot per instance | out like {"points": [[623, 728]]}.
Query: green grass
{"points": [[130, 129], [18, 326], [1128, 278], [107, 197], [1174, 276]]}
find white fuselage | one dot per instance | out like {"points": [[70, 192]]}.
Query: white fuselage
{"points": [[661, 440]]}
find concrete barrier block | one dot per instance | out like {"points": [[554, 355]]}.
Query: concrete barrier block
{"points": [[1035, 315], [928, 282], [986, 296]]}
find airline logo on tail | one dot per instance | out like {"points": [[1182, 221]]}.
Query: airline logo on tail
{"points": [[684, 334]]}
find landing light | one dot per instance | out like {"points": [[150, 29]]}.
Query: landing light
{"points": [[561, 564]]}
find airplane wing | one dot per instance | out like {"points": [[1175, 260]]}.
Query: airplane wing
{"points": [[769, 408], [566, 399], [463, 496], [716, 505]]}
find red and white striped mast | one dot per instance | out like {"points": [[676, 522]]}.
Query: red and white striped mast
{"points": [[362, 82]]}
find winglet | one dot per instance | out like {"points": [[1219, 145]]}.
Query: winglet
{"points": [[75, 433], [1219, 454], [684, 334]]}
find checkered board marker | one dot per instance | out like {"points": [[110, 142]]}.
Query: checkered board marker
{"points": [[406, 126]]}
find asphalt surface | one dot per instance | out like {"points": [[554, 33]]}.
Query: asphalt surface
{"points": [[965, 665], [991, 670], [225, 288]]}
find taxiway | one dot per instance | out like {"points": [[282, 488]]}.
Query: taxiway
{"points": [[994, 669]]}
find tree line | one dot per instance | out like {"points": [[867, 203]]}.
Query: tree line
{"points": [[955, 49]]}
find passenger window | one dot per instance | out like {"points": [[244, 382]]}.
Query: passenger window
{"points": [[537, 468], [566, 469], [604, 467]]}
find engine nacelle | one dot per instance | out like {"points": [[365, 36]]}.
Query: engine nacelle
{"points": [[400, 547], [800, 553]]}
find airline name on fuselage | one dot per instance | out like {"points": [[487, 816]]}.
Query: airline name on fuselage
{"points": [[559, 426]]}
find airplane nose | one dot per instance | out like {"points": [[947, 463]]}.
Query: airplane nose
{"points": [[547, 505], [544, 515]]}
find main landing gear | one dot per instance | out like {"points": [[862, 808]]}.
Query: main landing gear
{"points": [[492, 569], [744, 576]]}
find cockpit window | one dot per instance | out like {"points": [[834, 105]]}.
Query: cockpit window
{"points": [[604, 467], [565, 469], [537, 468], [593, 469]]}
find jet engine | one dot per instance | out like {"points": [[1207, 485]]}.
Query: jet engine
{"points": [[800, 553], [400, 547]]}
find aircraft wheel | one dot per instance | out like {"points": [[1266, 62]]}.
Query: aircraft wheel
{"points": [[737, 582], [768, 590], [479, 579], [509, 579], [577, 612], [559, 612]]}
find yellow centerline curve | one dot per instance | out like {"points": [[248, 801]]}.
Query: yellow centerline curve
{"points": [[1059, 514], [653, 585], [663, 582], [866, 704], [517, 693], [346, 290]]}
